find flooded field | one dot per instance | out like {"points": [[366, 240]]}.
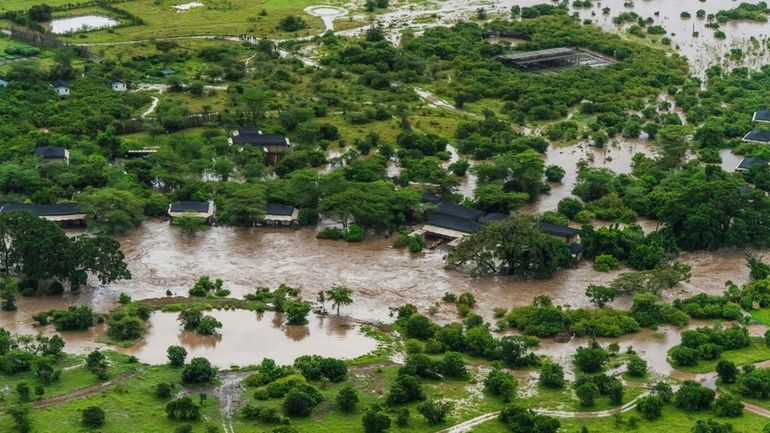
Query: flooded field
{"points": [[689, 36], [84, 22], [247, 337]]}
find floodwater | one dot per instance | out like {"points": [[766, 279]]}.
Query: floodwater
{"points": [[247, 337], [702, 51], [162, 258], [79, 23], [616, 155]]}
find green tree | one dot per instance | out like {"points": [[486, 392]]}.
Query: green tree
{"points": [[339, 296], [296, 312], [435, 411], [93, 417], [347, 399], [199, 371], [600, 295], [111, 210], [374, 421]]}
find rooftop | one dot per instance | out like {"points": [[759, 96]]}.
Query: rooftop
{"points": [[43, 209], [558, 230], [457, 211], [758, 135], [261, 139], [453, 223], [748, 162], [762, 116], [51, 152], [189, 206], [279, 209], [490, 217], [60, 83], [429, 197]]}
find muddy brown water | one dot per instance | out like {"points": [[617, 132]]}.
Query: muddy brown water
{"points": [[247, 337]]}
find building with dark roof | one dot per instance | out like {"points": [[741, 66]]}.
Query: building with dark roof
{"points": [[53, 153], [491, 217], [273, 146], [201, 209], [748, 162], [280, 215], [429, 197], [559, 231], [449, 227], [140, 153], [758, 136], [61, 87], [457, 211], [64, 214], [761, 116]]}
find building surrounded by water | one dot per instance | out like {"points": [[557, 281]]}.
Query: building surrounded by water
{"points": [[64, 214], [202, 209], [273, 146]]}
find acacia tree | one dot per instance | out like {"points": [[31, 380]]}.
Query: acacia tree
{"points": [[516, 246], [340, 296]]}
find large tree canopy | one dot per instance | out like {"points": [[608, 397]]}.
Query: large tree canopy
{"points": [[516, 246]]}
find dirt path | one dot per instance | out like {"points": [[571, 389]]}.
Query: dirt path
{"points": [[87, 391]]}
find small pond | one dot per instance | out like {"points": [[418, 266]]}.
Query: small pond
{"points": [[79, 23], [247, 337]]}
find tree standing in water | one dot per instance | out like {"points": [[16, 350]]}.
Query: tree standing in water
{"points": [[340, 296]]}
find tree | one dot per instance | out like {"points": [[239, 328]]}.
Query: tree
{"points": [[111, 210], [551, 375], [711, 426], [516, 246], [435, 411], [501, 384], [600, 295], [692, 396], [521, 420], [199, 371], [24, 392], [405, 389], [208, 325], [727, 371], [591, 359], [587, 393], [176, 356], [100, 256], [190, 224], [21, 421], [651, 407], [183, 409], [347, 399], [728, 405], [374, 421], [636, 366], [299, 402], [242, 204], [93, 417], [256, 101], [339, 296], [296, 312]]}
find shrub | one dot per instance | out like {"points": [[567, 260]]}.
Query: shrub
{"points": [[587, 393], [374, 421], [651, 407], [354, 233], [163, 390], [728, 405], [405, 389], [199, 371], [435, 411], [692, 396], [176, 356], [501, 384], [347, 399], [93, 416], [301, 400], [552, 375], [183, 409], [727, 371], [591, 359], [606, 263], [684, 356], [636, 366]]}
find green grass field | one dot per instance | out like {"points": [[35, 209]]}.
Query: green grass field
{"points": [[756, 352]]}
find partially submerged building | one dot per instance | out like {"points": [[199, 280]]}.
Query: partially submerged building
{"points": [[273, 146], [748, 162], [53, 153], [761, 116], [554, 58], [65, 214], [757, 136], [280, 215], [453, 222], [202, 209]]}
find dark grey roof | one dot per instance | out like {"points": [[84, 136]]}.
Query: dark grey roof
{"points": [[762, 115], [279, 209], [249, 131], [457, 211], [189, 206], [558, 230], [43, 209], [454, 223], [429, 197], [51, 152], [748, 162], [493, 217], [60, 83], [758, 135], [744, 189], [576, 248], [261, 139]]}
